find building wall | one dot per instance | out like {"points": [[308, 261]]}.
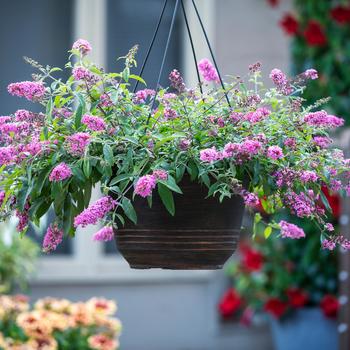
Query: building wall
{"points": [[172, 311]]}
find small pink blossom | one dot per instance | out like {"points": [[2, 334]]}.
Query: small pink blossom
{"points": [[329, 227], [94, 123], [7, 155], [231, 149], [160, 174], [145, 185], [258, 115], [142, 95], [83, 46], [176, 81], [52, 239], [170, 113], [275, 152], [308, 176], [328, 244], [311, 74], [60, 172], [290, 230], [82, 73], [290, 142], [250, 147], [322, 119], [2, 197], [184, 144], [322, 141], [77, 143], [208, 71], [104, 235], [251, 200], [31, 90], [278, 77]]}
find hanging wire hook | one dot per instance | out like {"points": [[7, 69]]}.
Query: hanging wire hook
{"points": [[192, 46], [152, 43], [211, 50], [164, 57]]}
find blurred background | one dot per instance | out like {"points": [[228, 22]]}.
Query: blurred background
{"points": [[190, 310]]}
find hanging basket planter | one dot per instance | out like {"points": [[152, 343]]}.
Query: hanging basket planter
{"points": [[202, 234], [237, 142]]}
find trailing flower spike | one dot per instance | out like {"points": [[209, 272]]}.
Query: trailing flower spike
{"points": [[94, 130]]}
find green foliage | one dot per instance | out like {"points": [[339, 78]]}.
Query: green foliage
{"points": [[17, 259]]}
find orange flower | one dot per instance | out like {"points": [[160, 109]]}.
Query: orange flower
{"points": [[102, 342]]}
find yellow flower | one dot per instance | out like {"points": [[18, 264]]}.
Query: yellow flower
{"points": [[102, 306], [102, 342], [53, 304]]}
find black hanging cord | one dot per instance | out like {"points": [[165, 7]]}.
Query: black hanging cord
{"points": [[211, 50], [152, 43], [192, 47], [164, 57]]}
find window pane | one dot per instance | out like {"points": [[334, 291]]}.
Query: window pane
{"points": [[134, 22], [39, 29]]}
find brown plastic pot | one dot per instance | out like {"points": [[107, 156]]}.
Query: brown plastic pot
{"points": [[202, 235]]}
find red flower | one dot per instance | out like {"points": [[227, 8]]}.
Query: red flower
{"points": [[274, 3], [314, 34], [229, 303], [252, 260], [297, 297], [341, 14], [330, 306], [334, 202], [289, 24], [275, 307]]}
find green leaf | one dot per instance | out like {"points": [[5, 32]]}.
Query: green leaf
{"points": [[126, 74], [129, 210], [267, 232], [49, 108], [136, 77], [120, 178], [108, 154], [325, 202], [167, 198], [171, 184], [87, 168], [79, 112]]}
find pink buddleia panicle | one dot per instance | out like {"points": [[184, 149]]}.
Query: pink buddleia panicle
{"points": [[94, 123], [323, 119], [208, 71], [52, 239], [95, 212], [160, 174], [77, 143], [83, 46], [31, 90], [60, 172], [290, 230], [105, 234], [145, 185], [275, 152]]}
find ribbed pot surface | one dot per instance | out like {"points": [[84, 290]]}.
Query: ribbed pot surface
{"points": [[202, 235]]}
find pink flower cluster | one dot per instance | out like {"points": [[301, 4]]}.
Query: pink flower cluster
{"points": [[322, 141], [210, 155], [308, 176], [275, 152], [23, 115], [208, 71], [142, 95], [31, 90], [311, 74], [300, 204], [323, 119], [83, 46], [281, 81], [258, 115], [104, 235], [94, 123], [23, 217], [53, 238], [290, 230], [82, 73], [60, 172], [251, 200], [176, 81], [77, 143], [95, 212], [332, 242], [7, 155], [106, 101], [145, 185], [2, 197], [170, 113]]}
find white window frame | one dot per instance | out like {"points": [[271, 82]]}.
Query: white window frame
{"points": [[88, 261]]}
